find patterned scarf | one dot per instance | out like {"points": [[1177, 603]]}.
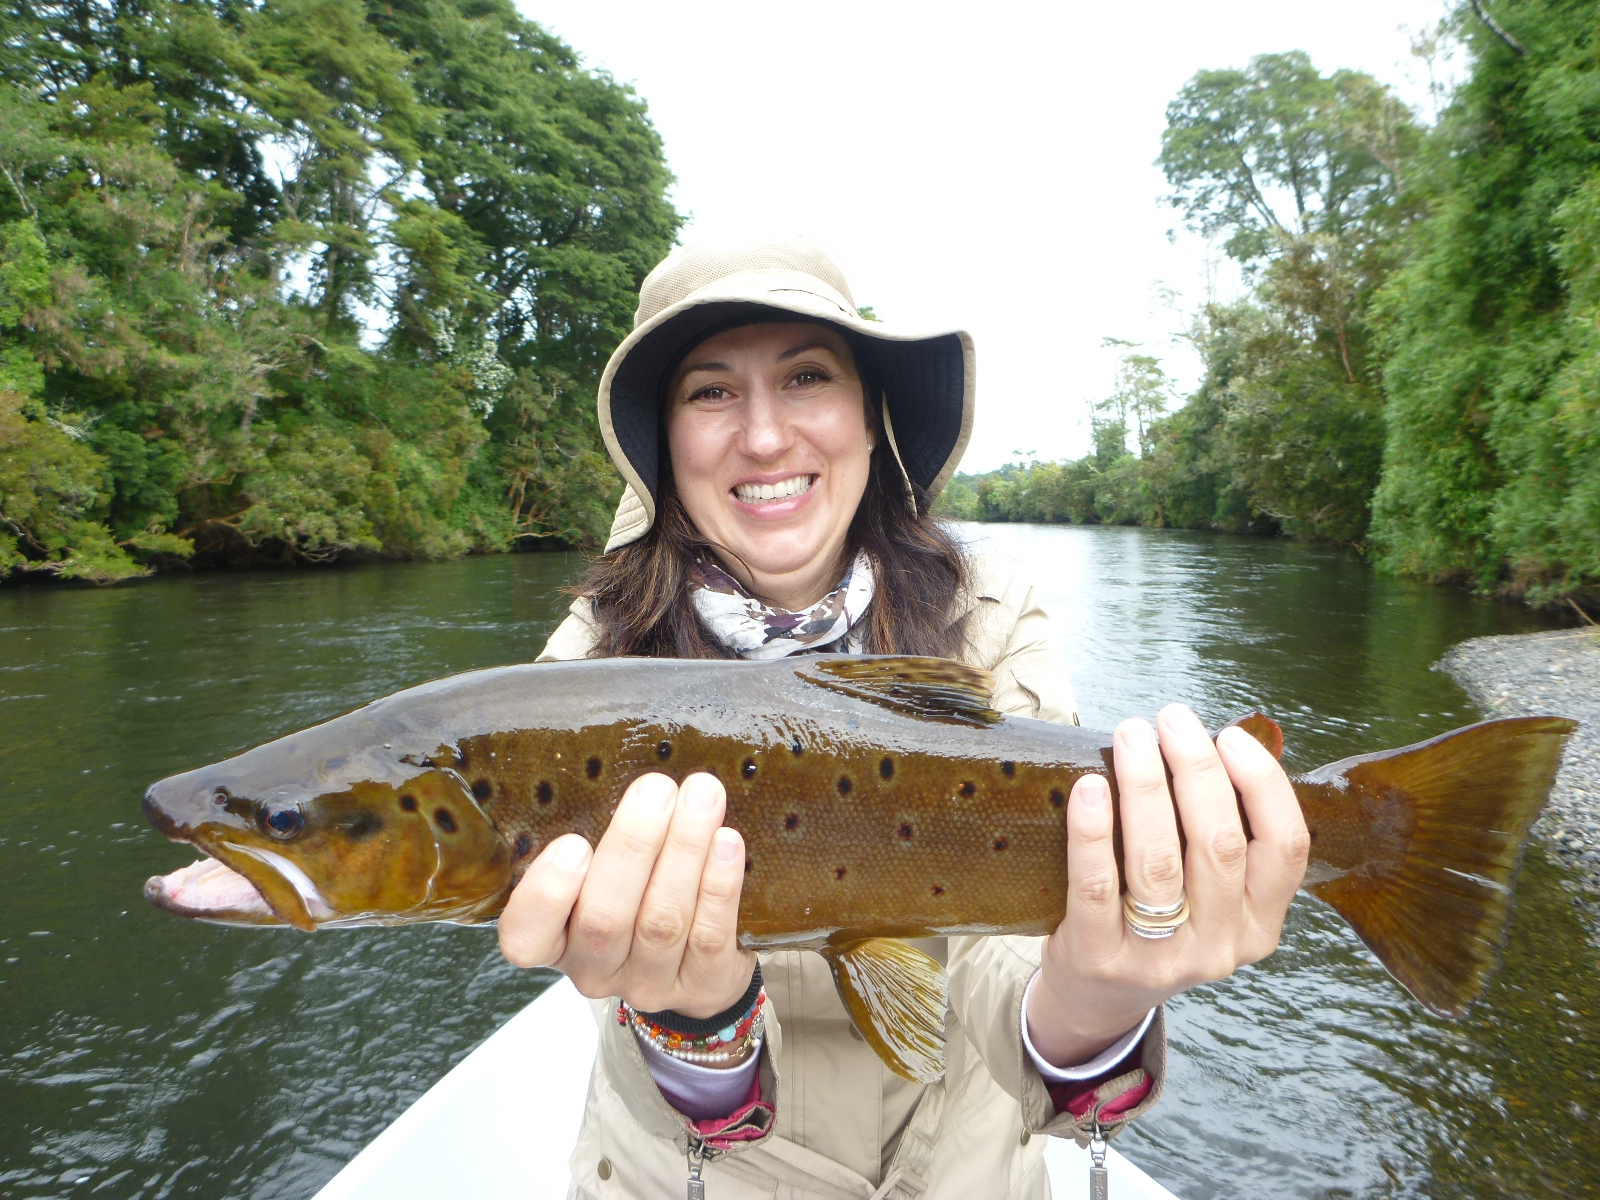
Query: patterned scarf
{"points": [[752, 629]]}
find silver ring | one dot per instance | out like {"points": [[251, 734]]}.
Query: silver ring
{"points": [[1155, 923], [1147, 910]]}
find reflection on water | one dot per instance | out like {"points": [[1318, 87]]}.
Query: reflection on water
{"points": [[142, 1056]]}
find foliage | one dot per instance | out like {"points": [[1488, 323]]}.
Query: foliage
{"points": [[1492, 462], [312, 278]]}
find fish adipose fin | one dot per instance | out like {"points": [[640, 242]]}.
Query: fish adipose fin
{"points": [[896, 996], [1261, 727], [933, 688], [1456, 809]]}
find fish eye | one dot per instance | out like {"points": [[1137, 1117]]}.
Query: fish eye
{"points": [[282, 823]]}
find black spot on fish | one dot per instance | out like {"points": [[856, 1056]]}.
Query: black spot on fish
{"points": [[938, 889], [795, 748], [845, 785], [524, 845], [445, 820], [592, 768], [792, 822], [409, 803], [664, 750], [749, 768], [969, 790], [749, 866], [1002, 843], [838, 872], [1008, 769], [483, 789], [906, 832], [886, 769], [364, 826], [1313, 834], [1057, 797], [544, 792]]}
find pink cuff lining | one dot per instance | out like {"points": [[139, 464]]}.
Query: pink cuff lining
{"points": [[748, 1123]]}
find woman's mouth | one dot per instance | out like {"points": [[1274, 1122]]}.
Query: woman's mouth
{"points": [[771, 493]]}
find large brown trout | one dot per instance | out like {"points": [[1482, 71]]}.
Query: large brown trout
{"points": [[879, 799]]}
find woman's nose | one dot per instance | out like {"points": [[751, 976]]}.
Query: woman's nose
{"points": [[766, 434]]}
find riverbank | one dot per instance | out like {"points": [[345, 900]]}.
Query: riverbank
{"points": [[1557, 672]]}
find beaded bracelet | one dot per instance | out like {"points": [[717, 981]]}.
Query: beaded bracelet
{"points": [[724, 1045]]}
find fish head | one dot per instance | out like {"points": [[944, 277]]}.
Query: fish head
{"points": [[409, 845]]}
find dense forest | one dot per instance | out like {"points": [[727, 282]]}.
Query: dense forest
{"points": [[308, 278], [1415, 369]]}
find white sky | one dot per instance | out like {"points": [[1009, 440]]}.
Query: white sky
{"points": [[986, 166]]}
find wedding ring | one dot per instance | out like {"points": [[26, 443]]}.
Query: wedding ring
{"points": [[1155, 923]]}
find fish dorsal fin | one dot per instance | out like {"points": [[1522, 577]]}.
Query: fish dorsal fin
{"points": [[933, 688], [896, 996]]}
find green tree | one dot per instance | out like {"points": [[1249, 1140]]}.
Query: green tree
{"points": [[1493, 443]]}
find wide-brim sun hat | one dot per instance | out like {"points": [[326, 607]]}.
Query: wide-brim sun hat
{"points": [[927, 380]]}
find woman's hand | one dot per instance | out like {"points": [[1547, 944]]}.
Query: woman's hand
{"points": [[651, 915], [1098, 977]]}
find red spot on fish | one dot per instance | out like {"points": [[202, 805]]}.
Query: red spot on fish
{"points": [[938, 889], [838, 872]]}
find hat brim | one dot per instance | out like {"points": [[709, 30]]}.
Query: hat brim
{"points": [[928, 380]]}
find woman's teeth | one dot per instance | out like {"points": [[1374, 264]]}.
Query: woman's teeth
{"points": [[755, 493]]}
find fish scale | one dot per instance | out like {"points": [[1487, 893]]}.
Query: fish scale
{"points": [[880, 799]]}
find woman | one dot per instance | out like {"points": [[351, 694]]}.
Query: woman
{"points": [[781, 454]]}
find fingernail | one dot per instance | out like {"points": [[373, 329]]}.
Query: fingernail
{"points": [[1233, 734], [655, 793], [1136, 735], [726, 845], [570, 852], [702, 794], [1092, 790]]}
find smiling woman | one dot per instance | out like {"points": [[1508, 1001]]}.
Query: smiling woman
{"points": [[781, 453]]}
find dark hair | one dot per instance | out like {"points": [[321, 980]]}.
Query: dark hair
{"points": [[641, 598]]}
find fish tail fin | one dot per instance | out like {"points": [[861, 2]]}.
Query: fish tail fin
{"points": [[1454, 811]]}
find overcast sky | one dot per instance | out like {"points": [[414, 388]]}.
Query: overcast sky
{"points": [[986, 166]]}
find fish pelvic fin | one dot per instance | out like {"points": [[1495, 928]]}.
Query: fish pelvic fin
{"points": [[935, 689], [896, 996], [1457, 808]]}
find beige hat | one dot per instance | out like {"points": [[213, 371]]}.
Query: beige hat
{"points": [[928, 379]]}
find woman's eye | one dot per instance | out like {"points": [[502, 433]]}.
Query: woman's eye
{"points": [[282, 823], [711, 392], [809, 377]]}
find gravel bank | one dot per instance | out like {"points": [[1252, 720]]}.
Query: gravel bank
{"points": [[1558, 673]]}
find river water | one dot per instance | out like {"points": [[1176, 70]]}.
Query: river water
{"points": [[142, 1056]]}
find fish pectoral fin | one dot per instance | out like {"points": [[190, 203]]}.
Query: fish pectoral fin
{"points": [[934, 688], [896, 996]]}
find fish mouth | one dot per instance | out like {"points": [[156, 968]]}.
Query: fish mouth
{"points": [[257, 888]]}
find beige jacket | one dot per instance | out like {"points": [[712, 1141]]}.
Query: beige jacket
{"points": [[846, 1128]]}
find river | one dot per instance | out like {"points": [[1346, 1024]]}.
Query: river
{"points": [[142, 1056]]}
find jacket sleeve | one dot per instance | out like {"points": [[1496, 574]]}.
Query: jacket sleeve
{"points": [[1009, 633], [574, 637]]}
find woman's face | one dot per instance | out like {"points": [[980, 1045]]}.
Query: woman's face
{"points": [[767, 428]]}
